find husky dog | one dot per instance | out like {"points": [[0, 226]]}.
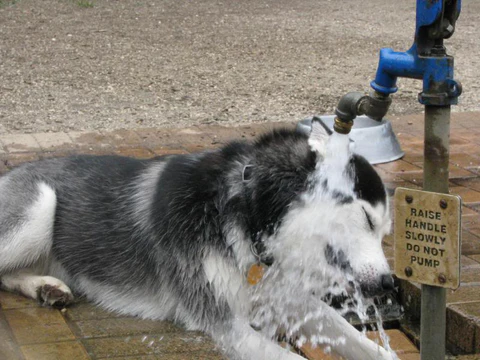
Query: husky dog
{"points": [[174, 238]]}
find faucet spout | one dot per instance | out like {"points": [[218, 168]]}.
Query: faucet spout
{"points": [[394, 64], [353, 104]]}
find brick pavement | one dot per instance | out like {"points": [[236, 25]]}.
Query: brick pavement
{"points": [[83, 331]]}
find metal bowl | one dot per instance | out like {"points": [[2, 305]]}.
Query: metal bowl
{"points": [[374, 140]]}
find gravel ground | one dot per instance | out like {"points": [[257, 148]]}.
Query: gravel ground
{"points": [[66, 65]]}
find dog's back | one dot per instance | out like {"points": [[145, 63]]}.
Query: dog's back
{"points": [[117, 230]]}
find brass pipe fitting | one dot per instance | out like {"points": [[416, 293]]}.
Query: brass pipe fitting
{"points": [[342, 127], [353, 104]]}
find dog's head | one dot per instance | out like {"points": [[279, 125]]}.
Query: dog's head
{"points": [[326, 209]]}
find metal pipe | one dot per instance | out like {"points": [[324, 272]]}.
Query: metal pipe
{"points": [[435, 178], [436, 148], [354, 103], [433, 323], [347, 110]]}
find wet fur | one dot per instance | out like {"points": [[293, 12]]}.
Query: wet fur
{"points": [[170, 237]]}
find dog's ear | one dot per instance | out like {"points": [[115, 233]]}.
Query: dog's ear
{"points": [[319, 136]]}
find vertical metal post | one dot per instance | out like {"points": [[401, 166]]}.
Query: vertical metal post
{"points": [[436, 149], [435, 178]]}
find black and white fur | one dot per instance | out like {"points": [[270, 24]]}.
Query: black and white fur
{"points": [[171, 238]]}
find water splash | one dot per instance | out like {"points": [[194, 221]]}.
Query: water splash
{"points": [[361, 307], [383, 335], [287, 314]]}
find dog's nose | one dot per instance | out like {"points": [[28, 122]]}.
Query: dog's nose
{"points": [[387, 282]]}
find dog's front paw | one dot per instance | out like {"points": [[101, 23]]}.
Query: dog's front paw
{"points": [[56, 296]]}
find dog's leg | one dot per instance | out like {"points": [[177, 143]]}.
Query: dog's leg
{"points": [[46, 289], [26, 224], [27, 221], [346, 340], [244, 343]]}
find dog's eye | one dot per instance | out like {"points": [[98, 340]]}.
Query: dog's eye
{"points": [[369, 220]]}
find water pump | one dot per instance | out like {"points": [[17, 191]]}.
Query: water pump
{"points": [[426, 60]]}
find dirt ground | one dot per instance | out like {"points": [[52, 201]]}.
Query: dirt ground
{"points": [[106, 64]]}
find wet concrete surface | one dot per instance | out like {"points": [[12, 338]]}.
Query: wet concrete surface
{"points": [[82, 331]]}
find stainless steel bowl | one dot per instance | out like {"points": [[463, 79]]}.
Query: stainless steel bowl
{"points": [[374, 140]]}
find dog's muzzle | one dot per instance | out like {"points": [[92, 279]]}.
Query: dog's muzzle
{"points": [[384, 285]]}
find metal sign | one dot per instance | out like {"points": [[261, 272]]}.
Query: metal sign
{"points": [[427, 237]]}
